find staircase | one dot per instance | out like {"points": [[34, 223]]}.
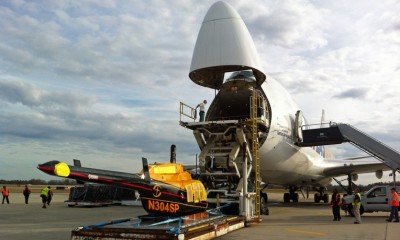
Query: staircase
{"points": [[339, 133]]}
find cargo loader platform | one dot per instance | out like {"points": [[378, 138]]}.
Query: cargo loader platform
{"points": [[207, 225]]}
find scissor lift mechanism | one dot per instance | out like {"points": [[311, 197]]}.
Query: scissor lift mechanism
{"points": [[233, 144]]}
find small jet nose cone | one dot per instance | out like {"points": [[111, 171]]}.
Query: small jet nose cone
{"points": [[50, 164], [55, 168]]}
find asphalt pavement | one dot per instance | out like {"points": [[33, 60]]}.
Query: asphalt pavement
{"points": [[304, 220]]}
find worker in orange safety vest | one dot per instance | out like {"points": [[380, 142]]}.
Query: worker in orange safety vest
{"points": [[335, 203], [5, 193], [394, 206]]}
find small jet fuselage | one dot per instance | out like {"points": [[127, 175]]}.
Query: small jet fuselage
{"points": [[169, 190]]}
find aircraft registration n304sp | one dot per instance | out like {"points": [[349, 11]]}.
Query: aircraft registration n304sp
{"points": [[225, 59]]}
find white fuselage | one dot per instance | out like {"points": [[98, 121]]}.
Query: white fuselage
{"points": [[282, 162]]}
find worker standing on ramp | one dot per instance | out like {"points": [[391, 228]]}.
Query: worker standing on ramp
{"points": [[202, 110]]}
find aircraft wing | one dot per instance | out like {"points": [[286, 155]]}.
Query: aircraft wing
{"points": [[348, 167]]}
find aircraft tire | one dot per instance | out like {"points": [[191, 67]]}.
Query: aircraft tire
{"points": [[325, 198], [317, 198], [295, 198], [286, 197], [265, 196], [350, 209], [263, 204]]}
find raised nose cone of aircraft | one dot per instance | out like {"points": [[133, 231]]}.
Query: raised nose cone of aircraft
{"points": [[223, 45]]}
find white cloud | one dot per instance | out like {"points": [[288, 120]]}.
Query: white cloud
{"points": [[290, 24]]}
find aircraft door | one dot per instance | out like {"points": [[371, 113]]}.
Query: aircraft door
{"points": [[298, 123]]}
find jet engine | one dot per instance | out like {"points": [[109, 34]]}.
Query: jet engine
{"points": [[354, 177], [379, 174]]}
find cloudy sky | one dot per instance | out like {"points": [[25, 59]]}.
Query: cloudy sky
{"points": [[101, 81]]}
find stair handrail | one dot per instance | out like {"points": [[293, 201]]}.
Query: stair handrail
{"points": [[191, 115], [364, 148], [369, 136]]}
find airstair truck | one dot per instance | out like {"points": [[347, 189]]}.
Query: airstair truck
{"points": [[374, 200]]}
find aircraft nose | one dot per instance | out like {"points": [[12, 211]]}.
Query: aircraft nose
{"points": [[224, 44]]}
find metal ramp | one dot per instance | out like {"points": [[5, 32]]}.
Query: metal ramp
{"points": [[339, 133]]}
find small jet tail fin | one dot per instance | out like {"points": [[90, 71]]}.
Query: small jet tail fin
{"points": [[146, 169], [77, 163]]}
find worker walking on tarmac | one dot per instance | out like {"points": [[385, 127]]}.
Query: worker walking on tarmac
{"points": [[49, 196], [5, 193], [44, 194], [335, 203], [394, 206], [202, 110], [26, 193], [356, 205]]}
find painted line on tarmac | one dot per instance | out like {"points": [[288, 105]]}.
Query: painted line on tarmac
{"points": [[305, 232]]}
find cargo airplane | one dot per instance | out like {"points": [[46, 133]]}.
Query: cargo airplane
{"points": [[225, 59]]}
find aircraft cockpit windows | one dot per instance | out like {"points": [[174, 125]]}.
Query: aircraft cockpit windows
{"points": [[247, 76]]}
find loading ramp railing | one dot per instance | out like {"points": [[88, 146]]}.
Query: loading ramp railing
{"points": [[339, 133]]}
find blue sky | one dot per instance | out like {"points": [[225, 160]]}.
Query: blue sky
{"points": [[101, 81]]}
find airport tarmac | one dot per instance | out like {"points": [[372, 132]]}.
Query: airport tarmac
{"points": [[304, 220]]}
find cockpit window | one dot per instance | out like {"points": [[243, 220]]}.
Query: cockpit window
{"points": [[242, 75]]}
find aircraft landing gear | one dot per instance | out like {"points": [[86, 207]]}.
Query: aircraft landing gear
{"points": [[291, 195], [263, 202], [320, 196]]}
